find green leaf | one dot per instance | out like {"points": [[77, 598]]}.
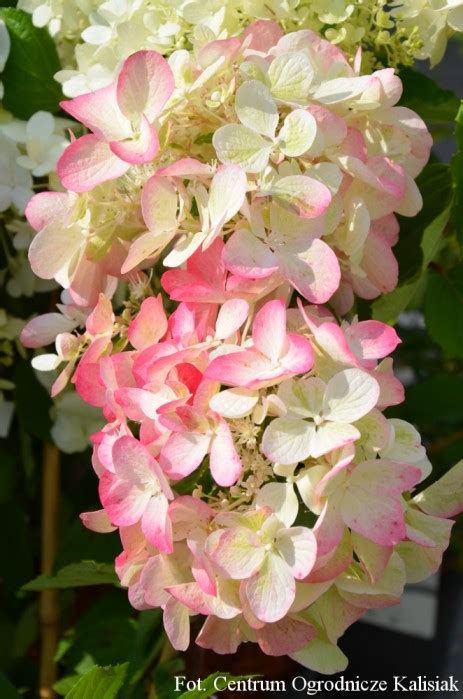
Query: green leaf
{"points": [[65, 684], [105, 634], [7, 691], [75, 575], [425, 97], [432, 237], [208, 687], [443, 310], [100, 682], [457, 172], [79, 543], [148, 644], [31, 65], [387, 308]]}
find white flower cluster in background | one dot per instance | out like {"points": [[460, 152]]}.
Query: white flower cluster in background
{"points": [[434, 20], [94, 38], [40, 141]]}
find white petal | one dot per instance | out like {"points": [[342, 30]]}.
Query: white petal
{"points": [[297, 133], [281, 499], [350, 395], [256, 109]]}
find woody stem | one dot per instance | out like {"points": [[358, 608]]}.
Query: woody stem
{"points": [[49, 601]]}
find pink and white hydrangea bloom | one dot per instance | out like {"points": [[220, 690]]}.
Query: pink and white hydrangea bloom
{"points": [[245, 460], [121, 118]]}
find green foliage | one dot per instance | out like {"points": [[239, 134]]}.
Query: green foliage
{"points": [[31, 65], [75, 575], [7, 691], [103, 635], [444, 310], [388, 307], [101, 682], [427, 98]]}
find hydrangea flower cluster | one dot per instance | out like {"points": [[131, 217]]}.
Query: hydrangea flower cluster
{"points": [[314, 161], [94, 38], [246, 459]]}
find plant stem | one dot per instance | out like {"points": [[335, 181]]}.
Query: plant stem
{"points": [[49, 601]]}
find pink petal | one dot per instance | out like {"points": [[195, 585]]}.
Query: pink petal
{"points": [[88, 281], [235, 552], [97, 521], [332, 340], [215, 50], [313, 272], [88, 162], [299, 356], [191, 596], [232, 315], [176, 621], [159, 573], [225, 463], [220, 635], [262, 35], [43, 330], [46, 206], [89, 385], [150, 324], [156, 525], [183, 453], [329, 527], [144, 85], [99, 112], [138, 150], [247, 256], [285, 636], [333, 563], [246, 368], [372, 505], [269, 330], [380, 264], [123, 501], [185, 167], [101, 319], [371, 339]]}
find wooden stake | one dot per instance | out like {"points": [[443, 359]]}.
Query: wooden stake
{"points": [[49, 601]]}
